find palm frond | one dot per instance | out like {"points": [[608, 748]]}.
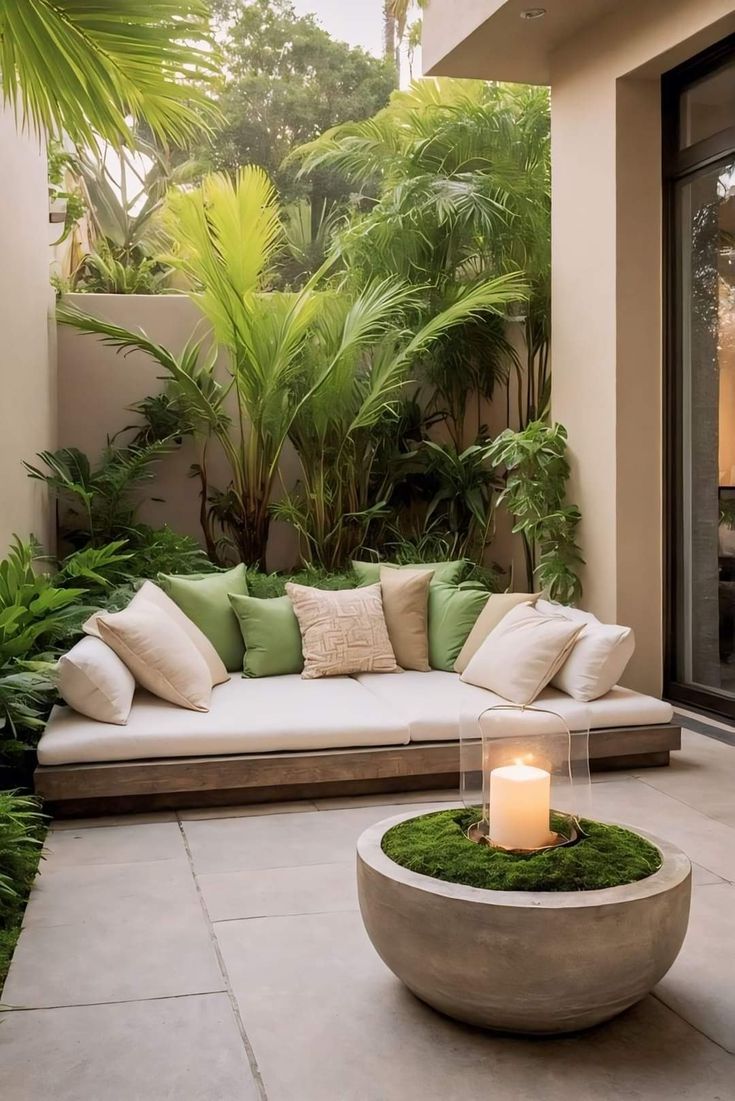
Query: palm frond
{"points": [[83, 67]]}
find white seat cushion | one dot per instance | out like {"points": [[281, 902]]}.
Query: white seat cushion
{"points": [[245, 716], [432, 704]]}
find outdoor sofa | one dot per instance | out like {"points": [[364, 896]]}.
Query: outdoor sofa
{"points": [[283, 738]]}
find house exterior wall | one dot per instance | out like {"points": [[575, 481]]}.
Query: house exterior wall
{"points": [[606, 271], [607, 299], [27, 362]]}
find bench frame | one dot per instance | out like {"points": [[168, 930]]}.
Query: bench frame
{"points": [[118, 787]]}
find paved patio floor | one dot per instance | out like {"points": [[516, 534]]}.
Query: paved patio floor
{"points": [[219, 956]]}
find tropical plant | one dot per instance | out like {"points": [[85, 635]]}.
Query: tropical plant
{"points": [[102, 271], [308, 238], [314, 365], [115, 249], [459, 490], [461, 169], [98, 504], [36, 616], [87, 68], [338, 429], [22, 829], [536, 475], [63, 190]]}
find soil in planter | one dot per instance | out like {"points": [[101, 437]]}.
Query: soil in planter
{"points": [[436, 845]]}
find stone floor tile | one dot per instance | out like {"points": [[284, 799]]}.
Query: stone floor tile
{"points": [[702, 876], [102, 933], [329, 1022], [700, 987], [114, 820], [114, 845], [704, 840], [185, 1049], [312, 889], [282, 840], [389, 798], [701, 775], [249, 810]]}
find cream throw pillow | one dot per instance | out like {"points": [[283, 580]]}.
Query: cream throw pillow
{"points": [[598, 658], [406, 609], [151, 594], [159, 654], [342, 632], [95, 682], [518, 659], [497, 606]]}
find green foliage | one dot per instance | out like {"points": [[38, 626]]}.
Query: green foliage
{"points": [[436, 845], [85, 69], [107, 271], [35, 614], [22, 829], [459, 488], [320, 368], [60, 188], [98, 504], [125, 190], [461, 170], [536, 475], [37, 617], [274, 584], [286, 81]]}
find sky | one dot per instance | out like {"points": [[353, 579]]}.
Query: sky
{"points": [[359, 22]]}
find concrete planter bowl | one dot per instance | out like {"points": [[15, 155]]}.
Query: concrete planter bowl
{"points": [[518, 961]]}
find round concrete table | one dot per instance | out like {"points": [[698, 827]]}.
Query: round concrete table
{"points": [[522, 961]]}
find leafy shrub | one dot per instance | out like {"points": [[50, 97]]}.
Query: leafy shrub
{"points": [[274, 584], [21, 836], [536, 478]]}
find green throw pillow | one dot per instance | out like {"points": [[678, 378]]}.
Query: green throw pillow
{"points": [[368, 573], [452, 614], [205, 600], [271, 634]]}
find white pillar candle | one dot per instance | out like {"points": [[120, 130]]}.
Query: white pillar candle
{"points": [[520, 801]]}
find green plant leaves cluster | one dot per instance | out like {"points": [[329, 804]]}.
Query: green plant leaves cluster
{"points": [[320, 368], [536, 475]]}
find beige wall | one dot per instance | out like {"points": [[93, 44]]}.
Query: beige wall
{"points": [[604, 63], [607, 303], [27, 369], [97, 386]]}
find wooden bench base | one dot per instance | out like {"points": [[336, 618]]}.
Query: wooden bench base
{"points": [[119, 787]]}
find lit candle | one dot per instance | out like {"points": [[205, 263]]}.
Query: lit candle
{"points": [[520, 801]]}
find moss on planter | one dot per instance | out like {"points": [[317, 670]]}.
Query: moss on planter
{"points": [[436, 845]]}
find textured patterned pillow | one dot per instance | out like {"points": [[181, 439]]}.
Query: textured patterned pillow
{"points": [[342, 632]]}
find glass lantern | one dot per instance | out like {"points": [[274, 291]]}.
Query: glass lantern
{"points": [[529, 772]]}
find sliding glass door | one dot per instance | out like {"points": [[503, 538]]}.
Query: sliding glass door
{"points": [[699, 167]]}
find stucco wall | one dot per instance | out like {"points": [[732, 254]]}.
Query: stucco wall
{"points": [[27, 367], [607, 300]]}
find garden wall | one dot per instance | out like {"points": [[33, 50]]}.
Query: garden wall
{"points": [[27, 360]]}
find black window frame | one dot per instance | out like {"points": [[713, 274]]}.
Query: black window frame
{"points": [[679, 165]]}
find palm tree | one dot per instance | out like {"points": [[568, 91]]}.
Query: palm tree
{"points": [[87, 68], [314, 365], [461, 171]]}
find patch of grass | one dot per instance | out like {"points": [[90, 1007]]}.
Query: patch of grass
{"points": [[22, 830], [435, 845]]}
